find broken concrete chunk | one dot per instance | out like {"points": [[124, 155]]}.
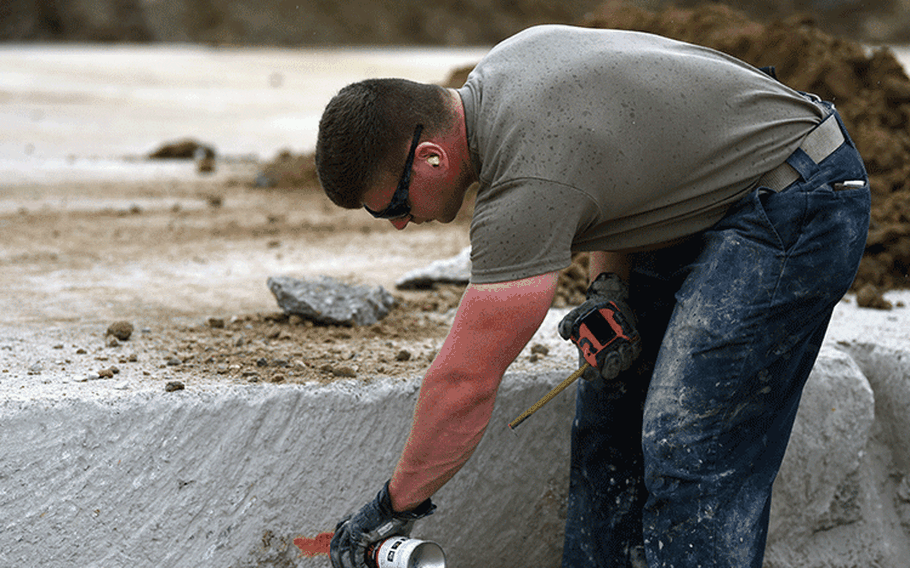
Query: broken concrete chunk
{"points": [[454, 270], [329, 301]]}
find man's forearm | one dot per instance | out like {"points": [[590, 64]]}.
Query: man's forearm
{"points": [[493, 324], [451, 416], [603, 261]]}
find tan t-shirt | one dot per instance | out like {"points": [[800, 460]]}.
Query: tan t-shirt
{"points": [[610, 140]]}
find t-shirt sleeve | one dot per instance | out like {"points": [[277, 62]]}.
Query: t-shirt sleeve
{"points": [[524, 228]]}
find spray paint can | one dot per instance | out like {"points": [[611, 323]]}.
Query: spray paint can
{"points": [[404, 552]]}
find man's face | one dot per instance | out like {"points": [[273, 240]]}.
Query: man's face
{"points": [[429, 191], [426, 200]]}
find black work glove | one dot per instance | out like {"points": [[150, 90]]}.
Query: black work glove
{"points": [[374, 522], [603, 329]]}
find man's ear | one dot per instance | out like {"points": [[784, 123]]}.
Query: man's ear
{"points": [[432, 154]]}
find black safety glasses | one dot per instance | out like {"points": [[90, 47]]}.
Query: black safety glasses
{"points": [[399, 206]]}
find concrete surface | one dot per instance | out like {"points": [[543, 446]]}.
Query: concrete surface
{"points": [[115, 473]]}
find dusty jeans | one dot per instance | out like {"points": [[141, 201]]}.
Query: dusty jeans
{"points": [[673, 463]]}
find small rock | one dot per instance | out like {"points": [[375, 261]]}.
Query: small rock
{"points": [[330, 301], [454, 270], [903, 490], [172, 386], [403, 355], [206, 165], [174, 361], [869, 296], [262, 362], [122, 330], [539, 349], [106, 374], [344, 372], [216, 323], [187, 149]]}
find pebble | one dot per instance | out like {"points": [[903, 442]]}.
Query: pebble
{"points": [[172, 386], [344, 372], [539, 349], [339, 371], [122, 330]]}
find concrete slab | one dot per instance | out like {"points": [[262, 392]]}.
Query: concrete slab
{"points": [[113, 473]]}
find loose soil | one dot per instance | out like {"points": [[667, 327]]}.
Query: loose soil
{"points": [[185, 265]]}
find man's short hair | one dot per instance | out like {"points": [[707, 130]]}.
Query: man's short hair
{"points": [[365, 130]]}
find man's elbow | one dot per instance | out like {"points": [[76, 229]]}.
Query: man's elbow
{"points": [[470, 387]]}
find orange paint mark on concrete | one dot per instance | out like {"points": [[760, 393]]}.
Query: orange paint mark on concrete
{"points": [[314, 546]]}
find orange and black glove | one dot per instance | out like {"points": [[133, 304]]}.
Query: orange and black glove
{"points": [[603, 329]]}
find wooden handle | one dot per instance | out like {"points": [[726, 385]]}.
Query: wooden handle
{"points": [[549, 396]]}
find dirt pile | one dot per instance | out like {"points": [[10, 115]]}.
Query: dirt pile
{"points": [[330, 22], [871, 91], [280, 22], [288, 170]]}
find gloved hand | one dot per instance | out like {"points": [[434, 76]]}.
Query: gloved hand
{"points": [[603, 329], [374, 522]]}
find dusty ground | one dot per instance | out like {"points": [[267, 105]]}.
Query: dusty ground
{"points": [[185, 263]]}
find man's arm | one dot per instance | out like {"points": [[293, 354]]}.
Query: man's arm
{"points": [[493, 324], [602, 261]]}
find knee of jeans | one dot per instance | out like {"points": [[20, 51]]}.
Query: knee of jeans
{"points": [[676, 452]]}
